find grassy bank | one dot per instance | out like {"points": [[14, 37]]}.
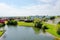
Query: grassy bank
{"points": [[21, 23], [52, 29], [1, 33]]}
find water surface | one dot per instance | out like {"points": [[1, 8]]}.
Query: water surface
{"points": [[25, 33]]}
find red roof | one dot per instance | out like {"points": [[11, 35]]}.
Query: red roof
{"points": [[2, 21]]}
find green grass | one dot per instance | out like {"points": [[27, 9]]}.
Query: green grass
{"points": [[1, 33], [21, 23], [52, 29]]}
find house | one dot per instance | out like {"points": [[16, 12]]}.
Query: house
{"points": [[57, 20]]}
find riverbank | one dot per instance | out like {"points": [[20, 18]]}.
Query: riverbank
{"points": [[53, 30], [2, 32], [2, 35]]}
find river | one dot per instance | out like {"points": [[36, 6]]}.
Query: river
{"points": [[25, 33]]}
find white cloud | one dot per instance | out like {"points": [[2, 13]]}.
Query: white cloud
{"points": [[6, 10], [47, 1]]}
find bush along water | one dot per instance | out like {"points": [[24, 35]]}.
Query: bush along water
{"points": [[12, 22], [58, 30], [2, 23], [44, 28], [38, 23]]}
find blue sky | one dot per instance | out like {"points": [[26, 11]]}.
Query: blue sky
{"points": [[19, 3], [29, 7]]}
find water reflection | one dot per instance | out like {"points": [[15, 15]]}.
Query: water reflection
{"points": [[36, 30]]}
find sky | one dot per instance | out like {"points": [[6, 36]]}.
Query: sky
{"points": [[29, 7]]}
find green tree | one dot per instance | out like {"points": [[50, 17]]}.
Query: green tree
{"points": [[52, 18], [38, 23], [58, 29], [28, 17]]}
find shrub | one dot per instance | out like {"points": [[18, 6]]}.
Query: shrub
{"points": [[52, 18], [28, 20], [2, 24], [58, 22], [45, 27], [58, 31], [12, 22], [38, 23]]}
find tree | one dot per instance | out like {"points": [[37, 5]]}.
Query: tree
{"points": [[38, 23], [44, 28], [58, 29], [52, 18], [12, 22], [28, 17]]}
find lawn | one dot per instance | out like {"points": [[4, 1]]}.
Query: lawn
{"points": [[21, 23], [1, 33], [52, 29]]}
